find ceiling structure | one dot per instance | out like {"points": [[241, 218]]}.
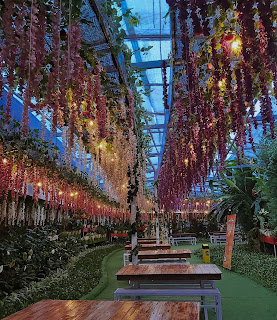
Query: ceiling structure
{"points": [[153, 31]]}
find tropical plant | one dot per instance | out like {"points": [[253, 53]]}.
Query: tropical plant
{"points": [[237, 195], [268, 172]]}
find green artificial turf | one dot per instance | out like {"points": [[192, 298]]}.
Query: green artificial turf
{"points": [[242, 298]]}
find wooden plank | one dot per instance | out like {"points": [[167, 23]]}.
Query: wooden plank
{"points": [[162, 254], [170, 272], [150, 247], [108, 310]]}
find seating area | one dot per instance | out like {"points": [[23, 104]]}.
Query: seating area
{"points": [[138, 159]]}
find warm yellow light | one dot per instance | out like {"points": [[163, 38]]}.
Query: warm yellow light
{"points": [[101, 146], [5, 161], [112, 159], [236, 45], [60, 193], [98, 207], [76, 193], [221, 83], [71, 194], [123, 186], [186, 161], [39, 184], [91, 123]]}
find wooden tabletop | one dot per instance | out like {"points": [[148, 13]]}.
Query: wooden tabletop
{"points": [[104, 310], [144, 241], [163, 254], [169, 272], [150, 247]]}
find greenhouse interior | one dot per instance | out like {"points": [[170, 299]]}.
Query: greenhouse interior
{"points": [[138, 159]]}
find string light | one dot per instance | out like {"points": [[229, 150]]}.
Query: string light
{"points": [[236, 45], [221, 83], [91, 123], [186, 161], [60, 193], [76, 193], [71, 194], [98, 207], [5, 161], [39, 184]]}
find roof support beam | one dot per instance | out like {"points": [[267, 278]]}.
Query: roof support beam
{"points": [[153, 37]]}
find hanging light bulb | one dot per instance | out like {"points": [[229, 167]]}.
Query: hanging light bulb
{"points": [[91, 123], [60, 193], [5, 161], [39, 184], [71, 194], [236, 45]]}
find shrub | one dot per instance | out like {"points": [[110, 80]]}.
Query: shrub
{"points": [[259, 267], [80, 276]]}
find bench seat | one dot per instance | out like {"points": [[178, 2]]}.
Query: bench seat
{"points": [[202, 293]]}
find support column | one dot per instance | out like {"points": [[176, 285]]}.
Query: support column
{"points": [[134, 239], [157, 215]]}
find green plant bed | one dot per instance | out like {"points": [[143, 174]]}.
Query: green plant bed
{"points": [[80, 276], [260, 267]]}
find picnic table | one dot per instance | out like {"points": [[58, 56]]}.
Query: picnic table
{"points": [[179, 237], [197, 280], [198, 272], [164, 254], [104, 310], [150, 247], [144, 241]]}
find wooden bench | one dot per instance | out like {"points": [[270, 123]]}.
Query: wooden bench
{"points": [[175, 241], [222, 239], [201, 293]]}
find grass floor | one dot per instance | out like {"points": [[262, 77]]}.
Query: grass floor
{"points": [[242, 298]]}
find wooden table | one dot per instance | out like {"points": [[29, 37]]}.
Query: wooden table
{"points": [[104, 310], [198, 272], [176, 235], [150, 247], [144, 241], [164, 254]]}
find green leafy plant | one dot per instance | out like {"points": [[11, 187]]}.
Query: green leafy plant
{"points": [[236, 192], [80, 276], [260, 267]]}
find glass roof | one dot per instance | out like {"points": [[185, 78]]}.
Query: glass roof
{"points": [[153, 31]]}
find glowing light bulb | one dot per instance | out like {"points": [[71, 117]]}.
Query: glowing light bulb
{"points": [[60, 193], [98, 207], [100, 146], [236, 45], [221, 83], [76, 193], [71, 194], [186, 161], [39, 184], [112, 159], [5, 161], [91, 123]]}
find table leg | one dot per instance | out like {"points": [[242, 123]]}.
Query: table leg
{"points": [[203, 301]]}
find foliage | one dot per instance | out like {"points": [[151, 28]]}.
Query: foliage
{"points": [[31, 254], [268, 171], [260, 267], [44, 154], [81, 276], [237, 194]]}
